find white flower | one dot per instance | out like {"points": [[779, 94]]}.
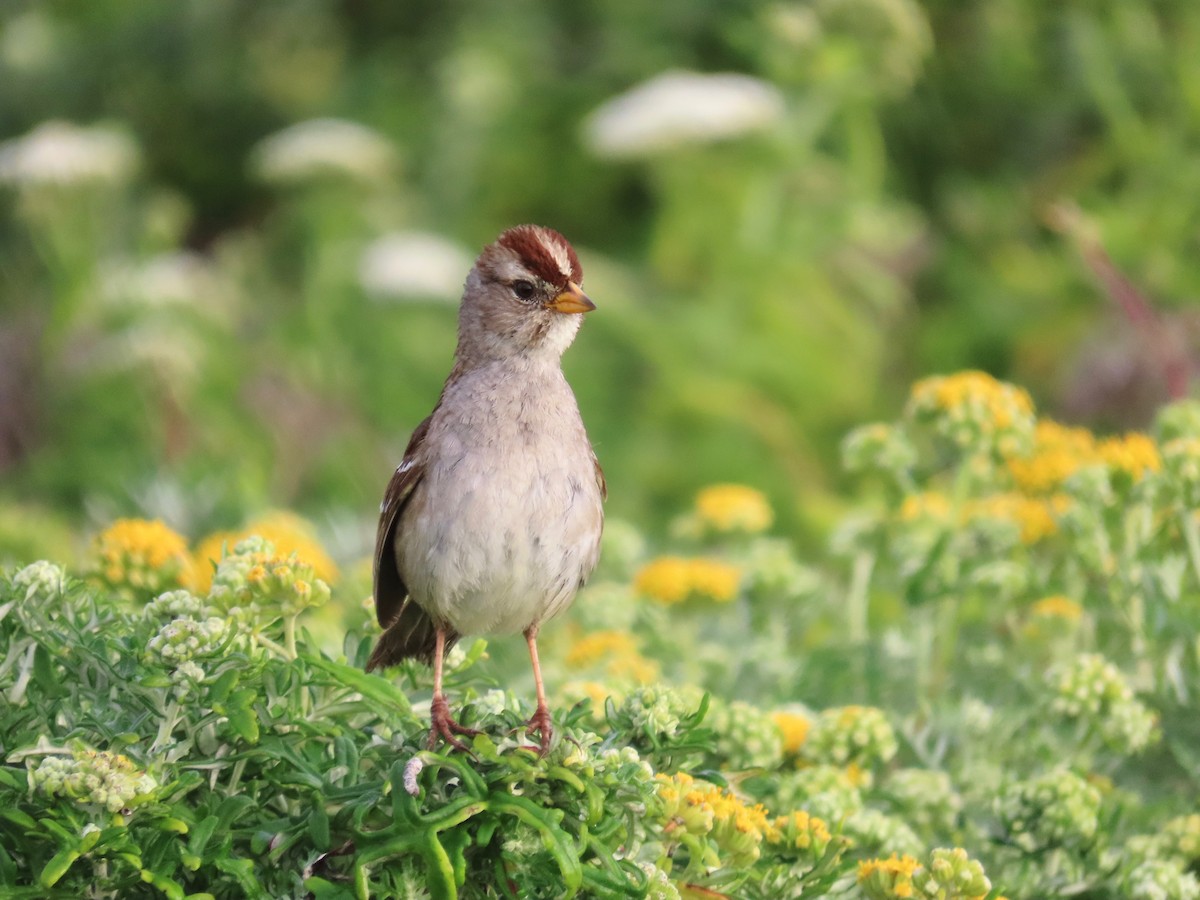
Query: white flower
{"points": [[678, 108], [41, 579], [180, 278], [323, 147], [413, 264], [60, 153]]}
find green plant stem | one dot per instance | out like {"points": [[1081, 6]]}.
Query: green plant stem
{"points": [[1191, 535], [857, 606], [167, 726]]}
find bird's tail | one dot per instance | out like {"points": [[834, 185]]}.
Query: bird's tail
{"points": [[412, 635]]}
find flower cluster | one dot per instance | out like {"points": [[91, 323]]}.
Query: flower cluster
{"points": [[974, 411], [1091, 690], [1181, 469], [660, 711], [1056, 809], [256, 581], [800, 835], [702, 809], [1159, 879], [793, 729], [286, 532], [186, 638], [949, 874], [41, 580], [830, 792], [843, 735], [674, 579], [727, 508], [616, 652], [882, 448], [746, 736], [139, 558], [173, 604], [94, 777], [926, 797]]}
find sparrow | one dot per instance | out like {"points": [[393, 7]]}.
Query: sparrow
{"points": [[492, 521]]}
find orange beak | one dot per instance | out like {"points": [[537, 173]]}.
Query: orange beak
{"points": [[572, 300]]}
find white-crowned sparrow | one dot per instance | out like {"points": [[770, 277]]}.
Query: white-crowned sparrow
{"points": [[492, 521]]}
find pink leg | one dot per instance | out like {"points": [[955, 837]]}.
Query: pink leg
{"points": [[443, 725], [541, 718]]}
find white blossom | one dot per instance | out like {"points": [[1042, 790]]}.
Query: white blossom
{"points": [[323, 147], [413, 264], [679, 108], [59, 153]]}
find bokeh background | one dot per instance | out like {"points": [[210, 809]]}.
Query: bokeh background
{"points": [[233, 234]]}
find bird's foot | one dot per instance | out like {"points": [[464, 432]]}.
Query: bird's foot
{"points": [[540, 724], [445, 728]]}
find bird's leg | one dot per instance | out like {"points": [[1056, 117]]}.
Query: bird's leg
{"points": [[541, 718], [442, 724]]}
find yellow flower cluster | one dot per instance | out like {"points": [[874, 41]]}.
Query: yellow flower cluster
{"points": [[1060, 451], [674, 579], [1057, 607], [800, 831], [974, 411], [618, 650], [733, 507], [888, 878], [793, 728], [1034, 516], [140, 555], [701, 808], [287, 531]]}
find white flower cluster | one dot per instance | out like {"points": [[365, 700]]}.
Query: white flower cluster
{"points": [[851, 734], [173, 605], [747, 737], [874, 831], [95, 777], [186, 638], [1092, 690], [660, 710], [320, 148], [62, 154], [413, 265], [675, 109], [41, 580], [1056, 809], [1158, 879]]}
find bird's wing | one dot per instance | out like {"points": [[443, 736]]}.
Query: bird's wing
{"points": [[390, 590], [600, 482]]}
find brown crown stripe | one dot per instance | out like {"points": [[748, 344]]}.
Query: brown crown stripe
{"points": [[529, 243]]}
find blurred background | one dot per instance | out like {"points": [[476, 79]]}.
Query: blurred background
{"points": [[233, 234]]}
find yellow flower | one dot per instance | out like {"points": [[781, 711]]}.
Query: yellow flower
{"points": [[1135, 454], [794, 729], [1035, 517], [715, 580], [594, 647], [673, 579], [801, 832], [140, 556], [925, 505], [888, 878], [287, 531], [1059, 451], [733, 507], [619, 651], [1058, 607], [973, 410]]}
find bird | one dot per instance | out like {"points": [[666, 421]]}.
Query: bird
{"points": [[492, 521]]}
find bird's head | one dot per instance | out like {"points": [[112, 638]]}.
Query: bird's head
{"points": [[523, 297]]}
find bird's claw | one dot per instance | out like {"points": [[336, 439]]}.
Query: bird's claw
{"points": [[443, 727], [540, 724]]}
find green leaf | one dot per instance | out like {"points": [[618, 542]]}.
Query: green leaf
{"points": [[318, 825], [54, 870], [46, 676], [202, 831], [372, 687], [19, 818], [244, 723], [554, 839]]}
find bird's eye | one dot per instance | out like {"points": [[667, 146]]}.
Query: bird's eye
{"points": [[523, 289]]}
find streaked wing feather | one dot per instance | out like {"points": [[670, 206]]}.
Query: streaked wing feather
{"points": [[390, 589]]}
